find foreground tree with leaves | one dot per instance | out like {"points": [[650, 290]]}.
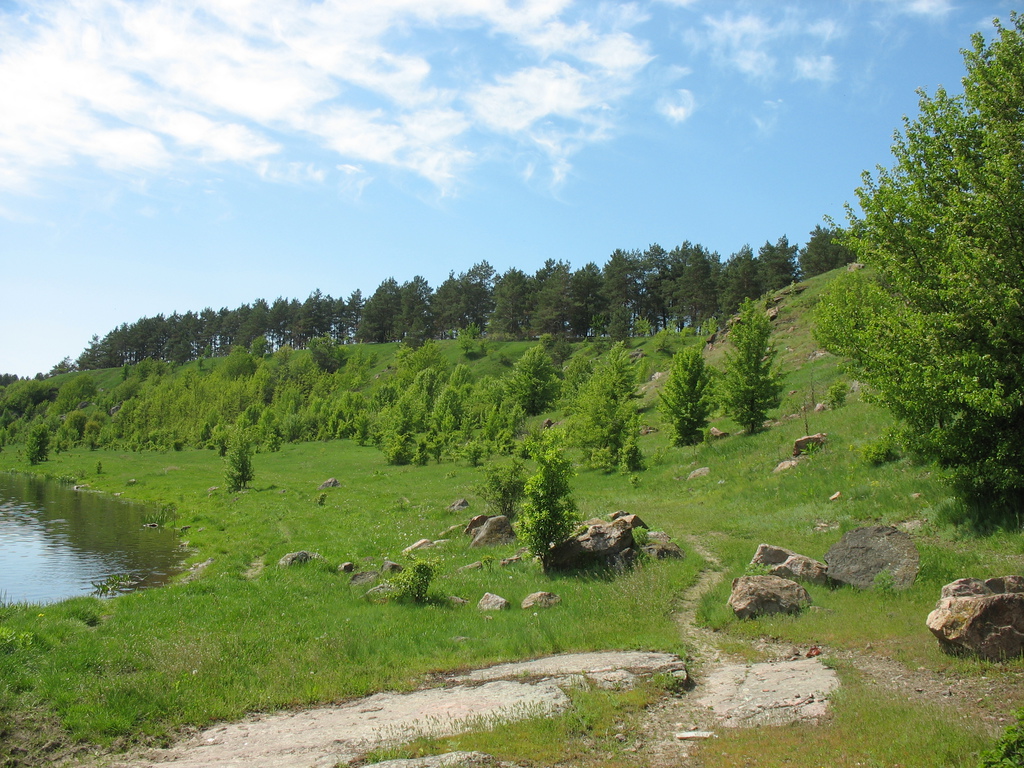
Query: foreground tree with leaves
{"points": [[936, 326], [548, 514], [752, 383], [686, 399]]}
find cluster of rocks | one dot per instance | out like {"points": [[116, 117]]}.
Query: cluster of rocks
{"points": [[610, 544], [492, 602], [858, 559], [983, 618]]}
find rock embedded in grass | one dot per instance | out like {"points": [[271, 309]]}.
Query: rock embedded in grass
{"points": [[492, 602], [364, 578], [981, 618], [457, 505], [330, 483], [495, 531], [701, 472], [421, 544], [802, 444], [541, 600], [861, 555], [297, 558], [765, 595]]}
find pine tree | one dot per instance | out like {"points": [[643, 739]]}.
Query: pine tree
{"points": [[239, 472], [533, 382], [752, 383], [686, 398]]}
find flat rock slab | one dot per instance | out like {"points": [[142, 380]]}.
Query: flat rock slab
{"points": [[324, 737], [603, 662], [748, 695]]}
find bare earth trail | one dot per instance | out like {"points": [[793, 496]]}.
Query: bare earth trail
{"points": [[724, 693]]}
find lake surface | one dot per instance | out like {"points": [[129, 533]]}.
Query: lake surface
{"points": [[56, 542]]}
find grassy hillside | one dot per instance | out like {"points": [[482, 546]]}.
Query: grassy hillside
{"points": [[244, 635]]}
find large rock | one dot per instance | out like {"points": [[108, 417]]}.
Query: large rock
{"points": [[604, 544], [495, 530], [790, 565], [764, 595], [801, 445], [972, 618], [861, 555]]}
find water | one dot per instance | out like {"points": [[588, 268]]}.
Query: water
{"points": [[56, 542]]}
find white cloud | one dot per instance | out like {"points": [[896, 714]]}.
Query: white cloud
{"points": [[679, 107], [754, 44], [821, 68], [146, 85]]}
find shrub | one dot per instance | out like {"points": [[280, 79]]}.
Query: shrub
{"points": [[503, 487], [37, 446], [1009, 750], [412, 584], [549, 515], [836, 397], [239, 472]]}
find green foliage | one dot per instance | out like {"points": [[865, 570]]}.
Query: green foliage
{"points": [[1008, 751], [881, 450], [836, 396], [37, 446], [503, 487], [752, 384], [238, 472], [605, 420], [934, 323], [413, 582], [686, 399], [533, 382], [548, 515]]}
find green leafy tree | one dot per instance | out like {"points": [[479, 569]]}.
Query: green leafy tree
{"points": [[37, 445], [605, 415], [533, 382], [548, 516], [686, 399], [934, 324], [503, 487], [238, 471], [752, 384]]}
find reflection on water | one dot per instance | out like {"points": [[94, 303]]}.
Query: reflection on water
{"points": [[56, 542]]}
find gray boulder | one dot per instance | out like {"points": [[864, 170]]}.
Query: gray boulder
{"points": [[604, 544], [457, 505], [495, 530], [972, 619], [861, 555], [331, 483], [297, 558], [764, 595], [363, 578]]}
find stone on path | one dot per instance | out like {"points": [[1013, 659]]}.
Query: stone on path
{"points": [[765, 595], [861, 555], [769, 694]]}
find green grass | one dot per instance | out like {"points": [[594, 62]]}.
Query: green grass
{"points": [[140, 666]]}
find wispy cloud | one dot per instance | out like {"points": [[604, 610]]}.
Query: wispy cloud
{"points": [[679, 107], [145, 86]]}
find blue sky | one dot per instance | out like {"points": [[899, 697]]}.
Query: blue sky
{"points": [[161, 156]]}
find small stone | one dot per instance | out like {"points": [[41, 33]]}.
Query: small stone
{"points": [[391, 567], [346, 567], [492, 602], [472, 566], [364, 578], [717, 433], [421, 544], [541, 600], [835, 496], [702, 472], [456, 600], [784, 465], [331, 483], [686, 735], [458, 504]]}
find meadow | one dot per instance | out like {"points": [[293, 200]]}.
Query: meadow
{"points": [[94, 676]]}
